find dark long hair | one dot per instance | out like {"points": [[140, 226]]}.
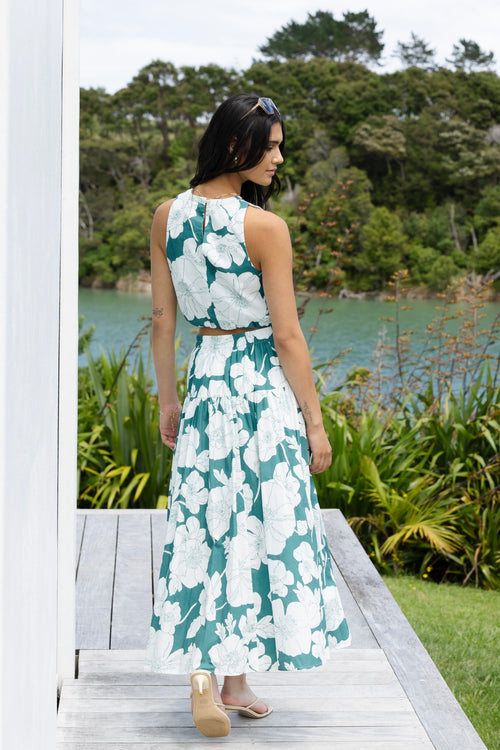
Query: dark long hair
{"points": [[230, 134]]}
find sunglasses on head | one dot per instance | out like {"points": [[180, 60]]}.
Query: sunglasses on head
{"points": [[266, 104]]}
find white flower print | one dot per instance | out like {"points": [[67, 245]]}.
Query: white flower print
{"points": [[194, 492], [181, 662], [191, 553], [170, 616], [284, 484], [243, 434], [212, 589], [175, 518], [269, 434], [239, 588], [221, 213], [212, 357], [246, 376], [190, 443], [160, 596], [334, 612], [276, 376], [236, 216], [230, 656], [293, 633], [256, 542], [279, 517], [319, 649], [251, 456], [219, 509], [160, 646], [302, 528], [234, 297], [258, 660], [220, 432], [192, 251], [177, 217], [203, 461], [191, 288], [284, 404], [307, 566], [311, 600], [280, 578], [245, 567], [248, 626], [222, 252], [195, 626]]}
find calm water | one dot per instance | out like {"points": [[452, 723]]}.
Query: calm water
{"points": [[354, 325]]}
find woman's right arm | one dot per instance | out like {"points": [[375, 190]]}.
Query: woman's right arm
{"points": [[163, 328], [268, 242]]}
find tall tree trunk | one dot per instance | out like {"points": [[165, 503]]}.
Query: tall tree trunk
{"points": [[453, 228], [89, 226]]}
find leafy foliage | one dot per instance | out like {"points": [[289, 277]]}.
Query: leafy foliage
{"points": [[416, 449], [354, 39], [422, 143]]}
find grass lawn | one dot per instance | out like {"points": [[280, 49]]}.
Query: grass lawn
{"points": [[460, 628]]}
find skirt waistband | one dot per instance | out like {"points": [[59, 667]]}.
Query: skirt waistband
{"points": [[205, 331]]}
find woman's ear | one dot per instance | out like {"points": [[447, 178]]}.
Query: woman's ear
{"points": [[232, 145]]}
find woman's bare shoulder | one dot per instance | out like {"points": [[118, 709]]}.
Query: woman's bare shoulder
{"points": [[163, 209], [257, 220]]}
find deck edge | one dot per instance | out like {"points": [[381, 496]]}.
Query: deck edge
{"points": [[437, 708]]}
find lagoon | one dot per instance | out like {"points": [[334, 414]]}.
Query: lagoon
{"points": [[354, 327]]}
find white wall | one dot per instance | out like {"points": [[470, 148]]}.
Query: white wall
{"points": [[31, 46]]}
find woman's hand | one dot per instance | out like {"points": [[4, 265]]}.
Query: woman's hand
{"points": [[320, 448], [169, 421]]}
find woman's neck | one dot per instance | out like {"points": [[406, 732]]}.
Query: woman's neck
{"points": [[223, 186]]}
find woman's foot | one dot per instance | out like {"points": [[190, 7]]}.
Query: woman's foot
{"points": [[209, 715], [237, 695]]}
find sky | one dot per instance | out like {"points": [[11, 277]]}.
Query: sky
{"points": [[119, 38]]}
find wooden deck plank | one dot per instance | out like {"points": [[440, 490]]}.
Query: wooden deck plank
{"points": [[361, 634], [248, 733], [148, 690], [440, 713], [366, 706], [362, 698], [94, 583], [299, 744], [133, 592], [130, 655], [162, 718]]}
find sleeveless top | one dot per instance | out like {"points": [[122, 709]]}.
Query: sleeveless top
{"points": [[216, 284]]}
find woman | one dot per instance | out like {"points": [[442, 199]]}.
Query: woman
{"points": [[246, 580]]}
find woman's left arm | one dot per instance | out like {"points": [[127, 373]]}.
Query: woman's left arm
{"points": [[163, 329]]}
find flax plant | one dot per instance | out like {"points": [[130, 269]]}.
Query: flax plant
{"points": [[122, 461], [416, 448]]}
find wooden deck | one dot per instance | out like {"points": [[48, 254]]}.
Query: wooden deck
{"points": [[383, 693]]}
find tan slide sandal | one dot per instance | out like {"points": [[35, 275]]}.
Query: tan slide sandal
{"points": [[247, 710], [208, 718]]}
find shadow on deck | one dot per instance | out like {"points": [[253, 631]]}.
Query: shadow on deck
{"points": [[383, 693]]}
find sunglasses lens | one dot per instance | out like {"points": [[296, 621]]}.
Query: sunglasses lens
{"points": [[268, 105]]}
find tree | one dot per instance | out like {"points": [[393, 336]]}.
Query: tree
{"points": [[354, 39], [384, 138], [488, 255], [467, 55], [384, 242], [416, 53]]}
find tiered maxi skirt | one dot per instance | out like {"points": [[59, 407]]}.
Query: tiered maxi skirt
{"points": [[246, 580]]}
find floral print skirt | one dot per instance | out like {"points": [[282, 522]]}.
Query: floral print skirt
{"points": [[246, 579]]}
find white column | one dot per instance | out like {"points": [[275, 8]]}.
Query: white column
{"points": [[36, 262], [68, 347]]}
